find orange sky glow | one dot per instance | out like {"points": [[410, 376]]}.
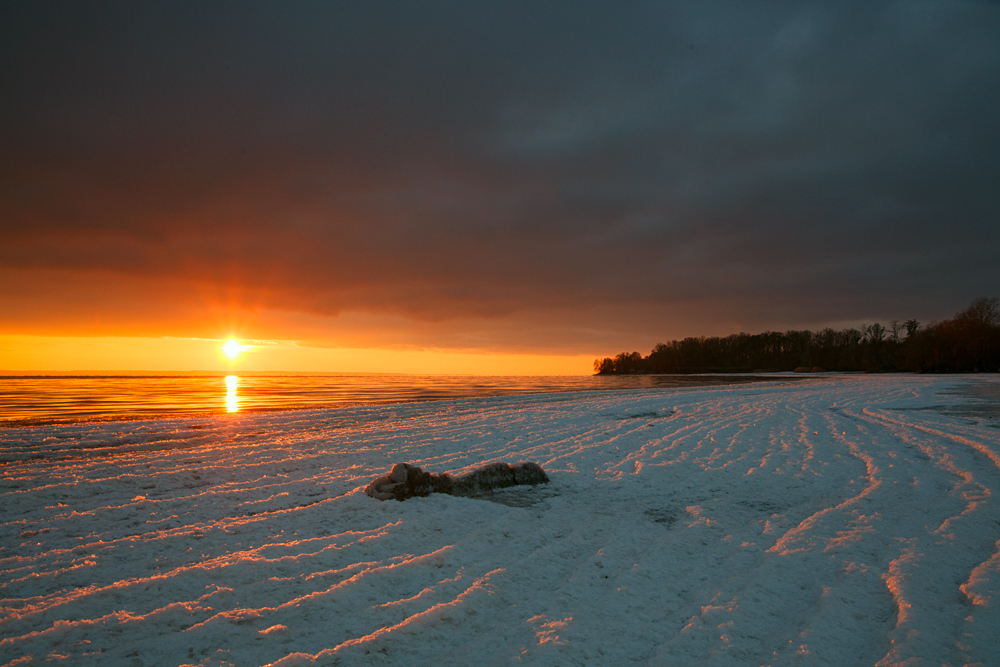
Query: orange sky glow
{"points": [[26, 353]]}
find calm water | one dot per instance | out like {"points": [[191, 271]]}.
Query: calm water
{"points": [[42, 399]]}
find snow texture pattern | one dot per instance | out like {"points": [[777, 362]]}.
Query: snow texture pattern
{"points": [[841, 520]]}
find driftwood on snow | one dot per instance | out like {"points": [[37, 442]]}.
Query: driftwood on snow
{"points": [[406, 481]]}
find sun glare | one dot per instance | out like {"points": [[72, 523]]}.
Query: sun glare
{"points": [[233, 348]]}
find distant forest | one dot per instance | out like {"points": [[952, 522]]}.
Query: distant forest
{"points": [[967, 343]]}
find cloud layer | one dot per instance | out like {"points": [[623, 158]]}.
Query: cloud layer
{"points": [[512, 175]]}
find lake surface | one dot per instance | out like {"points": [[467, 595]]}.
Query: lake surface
{"points": [[30, 400]]}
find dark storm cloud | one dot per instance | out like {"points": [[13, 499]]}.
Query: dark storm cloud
{"points": [[761, 165]]}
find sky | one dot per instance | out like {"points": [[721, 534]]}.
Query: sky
{"points": [[483, 187]]}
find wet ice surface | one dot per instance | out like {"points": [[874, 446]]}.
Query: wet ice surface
{"points": [[826, 521]]}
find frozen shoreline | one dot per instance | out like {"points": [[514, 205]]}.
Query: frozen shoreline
{"points": [[834, 520]]}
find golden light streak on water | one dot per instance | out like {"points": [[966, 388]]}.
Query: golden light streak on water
{"points": [[42, 399], [232, 402]]}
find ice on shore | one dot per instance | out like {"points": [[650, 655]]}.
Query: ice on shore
{"points": [[841, 520], [409, 481]]}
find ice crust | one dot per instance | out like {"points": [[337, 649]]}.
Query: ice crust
{"points": [[831, 521], [409, 481]]}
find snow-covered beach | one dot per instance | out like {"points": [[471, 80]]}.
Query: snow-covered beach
{"points": [[844, 520]]}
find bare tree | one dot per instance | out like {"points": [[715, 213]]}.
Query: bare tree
{"points": [[895, 329], [982, 311], [876, 333]]}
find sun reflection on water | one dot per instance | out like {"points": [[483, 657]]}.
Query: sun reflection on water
{"points": [[232, 403]]}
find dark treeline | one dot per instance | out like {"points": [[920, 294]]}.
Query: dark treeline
{"points": [[969, 342]]}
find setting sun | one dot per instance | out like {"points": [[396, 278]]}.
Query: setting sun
{"points": [[232, 348]]}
